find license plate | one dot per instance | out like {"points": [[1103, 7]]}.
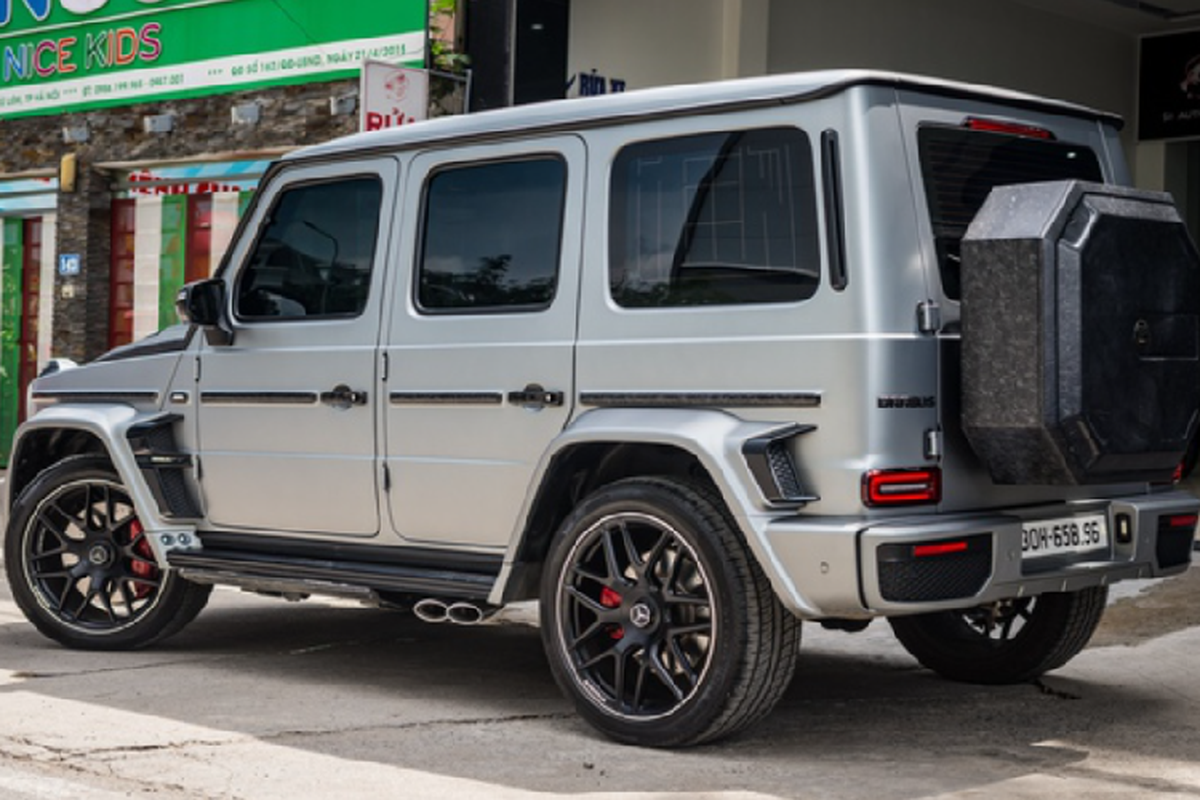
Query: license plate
{"points": [[1052, 537]]}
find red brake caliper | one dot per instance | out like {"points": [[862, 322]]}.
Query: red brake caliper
{"points": [[610, 599], [140, 568]]}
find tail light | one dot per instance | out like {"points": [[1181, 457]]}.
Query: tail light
{"points": [[902, 487]]}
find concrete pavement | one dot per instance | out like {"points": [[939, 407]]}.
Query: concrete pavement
{"points": [[263, 699]]}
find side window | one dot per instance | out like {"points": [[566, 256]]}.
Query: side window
{"points": [[491, 236], [314, 256], [722, 218]]}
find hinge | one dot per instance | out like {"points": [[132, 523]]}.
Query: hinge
{"points": [[196, 369], [929, 317], [933, 444], [387, 478], [383, 366]]}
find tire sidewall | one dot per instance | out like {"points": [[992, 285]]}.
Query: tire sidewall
{"points": [[945, 643], [727, 601]]}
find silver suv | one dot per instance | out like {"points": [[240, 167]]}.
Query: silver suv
{"points": [[688, 366]]}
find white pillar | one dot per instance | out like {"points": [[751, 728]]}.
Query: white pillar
{"points": [[45, 325], [147, 249], [1150, 165], [224, 223], [745, 28]]}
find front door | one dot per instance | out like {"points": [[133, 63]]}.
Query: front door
{"points": [[286, 413], [480, 347]]}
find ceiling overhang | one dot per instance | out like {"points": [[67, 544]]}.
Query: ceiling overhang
{"points": [[1168, 10]]}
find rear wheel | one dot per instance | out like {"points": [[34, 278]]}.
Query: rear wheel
{"points": [[81, 567], [657, 621], [1009, 641]]}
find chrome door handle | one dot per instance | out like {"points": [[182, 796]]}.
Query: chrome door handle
{"points": [[534, 396], [342, 396]]}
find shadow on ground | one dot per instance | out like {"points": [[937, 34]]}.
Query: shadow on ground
{"points": [[479, 703]]}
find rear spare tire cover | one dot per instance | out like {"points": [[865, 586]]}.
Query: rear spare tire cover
{"points": [[1081, 334]]}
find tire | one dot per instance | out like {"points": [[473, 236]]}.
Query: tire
{"points": [[657, 621], [81, 568], [1011, 641]]}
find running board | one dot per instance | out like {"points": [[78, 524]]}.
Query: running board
{"points": [[319, 576]]}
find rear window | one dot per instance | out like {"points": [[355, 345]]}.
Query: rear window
{"points": [[960, 167]]}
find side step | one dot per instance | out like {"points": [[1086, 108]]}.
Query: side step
{"points": [[273, 572]]}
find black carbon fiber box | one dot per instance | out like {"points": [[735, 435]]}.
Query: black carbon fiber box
{"points": [[1081, 334]]}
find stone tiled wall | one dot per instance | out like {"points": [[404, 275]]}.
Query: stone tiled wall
{"points": [[290, 116]]}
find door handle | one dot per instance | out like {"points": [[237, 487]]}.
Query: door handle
{"points": [[534, 396], [342, 396]]}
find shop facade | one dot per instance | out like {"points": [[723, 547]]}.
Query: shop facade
{"points": [[134, 132], [1084, 51]]}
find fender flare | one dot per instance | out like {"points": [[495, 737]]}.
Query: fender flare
{"points": [[109, 423], [717, 439]]}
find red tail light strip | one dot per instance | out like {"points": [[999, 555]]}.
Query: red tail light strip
{"points": [[1183, 521], [1014, 128], [940, 549]]}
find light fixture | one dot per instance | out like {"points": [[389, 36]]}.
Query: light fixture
{"points": [[76, 134], [246, 114], [158, 123], [67, 173]]}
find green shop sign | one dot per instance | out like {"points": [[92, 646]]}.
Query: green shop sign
{"points": [[60, 55]]}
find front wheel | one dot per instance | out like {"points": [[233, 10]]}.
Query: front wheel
{"points": [[657, 621], [1009, 641], [80, 565]]}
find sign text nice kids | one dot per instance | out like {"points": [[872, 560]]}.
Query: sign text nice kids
{"points": [[60, 55]]}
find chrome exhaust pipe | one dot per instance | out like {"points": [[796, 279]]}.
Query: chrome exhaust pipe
{"points": [[431, 610], [462, 613]]}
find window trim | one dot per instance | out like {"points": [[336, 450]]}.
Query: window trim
{"points": [[835, 209], [418, 262], [283, 187], [611, 235]]}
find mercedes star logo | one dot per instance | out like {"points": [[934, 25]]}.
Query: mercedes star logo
{"points": [[640, 615]]}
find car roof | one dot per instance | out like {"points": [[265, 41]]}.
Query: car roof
{"points": [[595, 111]]}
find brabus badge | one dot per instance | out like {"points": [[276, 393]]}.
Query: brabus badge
{"points": [[907, 401]]}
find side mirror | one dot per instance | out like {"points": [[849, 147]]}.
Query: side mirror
{"points": [[202, 303]]}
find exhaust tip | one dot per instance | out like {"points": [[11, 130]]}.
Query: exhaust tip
{"points": [[431, 610], [467, 613]]}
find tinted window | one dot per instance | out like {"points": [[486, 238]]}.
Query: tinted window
{"points": [[961, 166], [714, 219], [491, 236], [315, 254]]}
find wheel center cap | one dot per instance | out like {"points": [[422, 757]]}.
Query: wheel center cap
{"points": [[99, 555], [641, 615]]}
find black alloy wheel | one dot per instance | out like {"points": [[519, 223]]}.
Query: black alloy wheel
{"points": [[88, 559], [635, 616], [82, 568], [657, 620]]}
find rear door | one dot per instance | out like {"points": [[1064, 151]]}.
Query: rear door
{"points": [[480, 348], [286, 414], [958, 151]]}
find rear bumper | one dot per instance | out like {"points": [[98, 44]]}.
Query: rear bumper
{"points": [[863, 568]]}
